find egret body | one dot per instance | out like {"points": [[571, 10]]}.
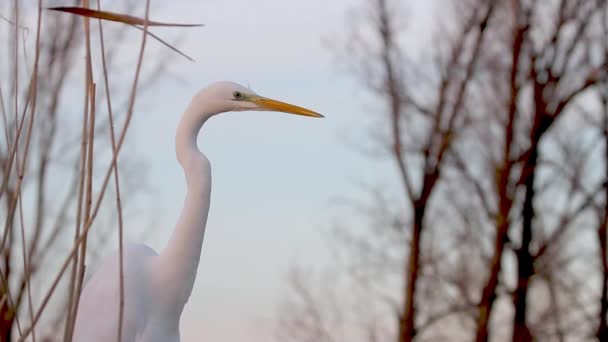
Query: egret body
{"points": [[157, 286]]}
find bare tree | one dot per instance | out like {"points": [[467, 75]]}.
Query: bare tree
{"points": [[499, 187], [549, 70], [421, 130]]}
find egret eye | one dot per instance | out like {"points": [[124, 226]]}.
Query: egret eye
{"points": [[237, 95]]}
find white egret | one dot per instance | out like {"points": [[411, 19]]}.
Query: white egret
{"points": [[157, 286]]}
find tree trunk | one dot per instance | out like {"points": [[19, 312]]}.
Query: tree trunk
{"points": [[407, 327], [602, 329], [525, 260], [488, 295], [505, 198]]}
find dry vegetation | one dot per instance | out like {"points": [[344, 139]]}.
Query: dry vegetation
{"points": [[63, 128]]}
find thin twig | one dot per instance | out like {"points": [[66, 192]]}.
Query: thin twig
{"points": [[78, 222], [128, 20], [87, 162], [26, 267], [88, 225], [116, 183], [117, 17], [33, 93]]}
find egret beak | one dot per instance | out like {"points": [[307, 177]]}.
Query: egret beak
{"points": [[277, 106]]}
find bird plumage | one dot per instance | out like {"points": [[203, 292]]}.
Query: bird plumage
{"points": [[158, 286]]}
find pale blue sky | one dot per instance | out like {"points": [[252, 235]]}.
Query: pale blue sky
{"points": [[274, 175]]}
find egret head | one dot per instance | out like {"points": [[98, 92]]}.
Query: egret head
{"points": [[222, 97]]}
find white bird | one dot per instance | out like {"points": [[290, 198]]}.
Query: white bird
{"points": [[157, 286]]}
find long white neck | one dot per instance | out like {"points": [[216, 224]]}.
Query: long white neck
{"points": [[179, 260]]}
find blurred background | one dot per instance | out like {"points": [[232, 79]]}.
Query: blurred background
{"points": [[456, 190]]}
